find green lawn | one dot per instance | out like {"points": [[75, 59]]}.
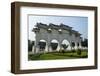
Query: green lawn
{"points": [[58, 55]]}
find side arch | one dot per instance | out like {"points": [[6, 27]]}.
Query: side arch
{"points": [[42, 45]]}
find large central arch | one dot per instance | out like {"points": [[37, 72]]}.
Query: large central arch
{"points": [[65, 44]]}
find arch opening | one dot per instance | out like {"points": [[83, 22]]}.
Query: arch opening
{"points": [[54, 44], [65, 45], [78, 44], [42, 45], [73, 45]]}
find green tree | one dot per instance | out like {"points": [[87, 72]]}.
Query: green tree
{"points": [[30, 45], [84, 43], [65, 46]]}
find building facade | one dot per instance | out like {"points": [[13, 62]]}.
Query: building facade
{"points": [[58, 34]]}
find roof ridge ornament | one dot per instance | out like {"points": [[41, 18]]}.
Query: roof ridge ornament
{"points": [[51, 26]]}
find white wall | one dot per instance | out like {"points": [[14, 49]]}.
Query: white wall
{"points": [[5, 42]]}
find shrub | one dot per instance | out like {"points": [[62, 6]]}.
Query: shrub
{"points": [[79, 51], [62, 51], [73, 51], [34, 56]]}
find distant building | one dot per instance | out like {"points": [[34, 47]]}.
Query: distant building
{"points": [[57, 33]]}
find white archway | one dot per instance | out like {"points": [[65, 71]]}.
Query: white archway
{"points": [[42, 35]]}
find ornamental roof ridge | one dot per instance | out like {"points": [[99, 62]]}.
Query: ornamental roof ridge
{"points": [[55, 26], [41, 25], [74, 31], [65, 25]]}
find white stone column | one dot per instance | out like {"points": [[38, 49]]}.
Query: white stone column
{"points": [[70, 45], [80, 46], [36, 46], [46, 47], [33, 49], [76, 47], [49, 47], [58, 47]]}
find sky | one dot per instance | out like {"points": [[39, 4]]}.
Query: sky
{"points": [[77, 23]]}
